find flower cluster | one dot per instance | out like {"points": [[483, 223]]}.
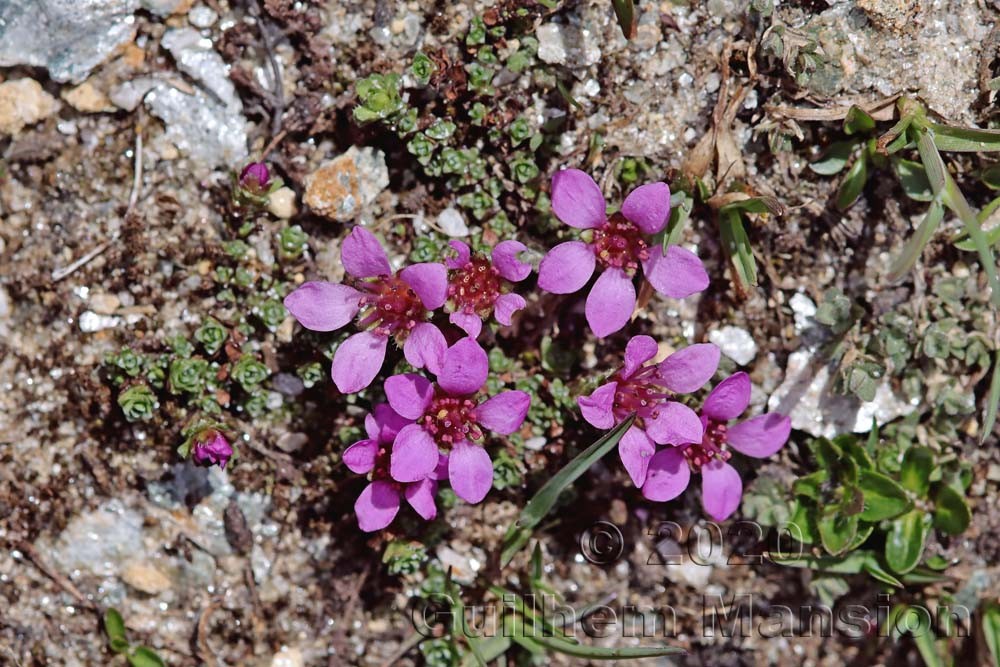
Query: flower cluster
{"points": [[433, 427]]}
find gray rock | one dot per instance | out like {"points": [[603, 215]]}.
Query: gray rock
{"points": [[201, 128], [69, 38], [452, 223], [196, 58], [735, 343]]}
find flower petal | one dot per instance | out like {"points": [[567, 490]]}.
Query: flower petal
{"points": [[639, 350], [689, 368], [760, 436], [729, 398], [409, 394], [414, 454], [677, 274], [462, 256], [387, 423], [675, 424], [470, 471], [420, 495], [610, 303], [505, 307], [360, 457], [597, 408], [358, 360], [425, 347], [566, 268], [721, 489], [363, 256], [577, 200], [506, 261], [441, 472], [648, 206], [505, 412], [322, 306], [636, 450], [430, 281], [467, 322], [377, 506], [667, 476], [464, 369]]}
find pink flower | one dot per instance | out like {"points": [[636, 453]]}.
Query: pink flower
{"points": [[448, 416], [255, 178], [618, 245], [211, 448], [379, 503], [387, 305], [478, 286], [721, 487], [646, 391]]}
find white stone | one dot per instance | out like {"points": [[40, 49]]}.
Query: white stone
{"points": [[288, 657], [452, 223], [735, 343], [281, 203]]}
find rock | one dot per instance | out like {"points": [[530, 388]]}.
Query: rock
{"points": [[104, 304], [91, 322], [146, 578], [66, 37], [806, 396], [452, 223], [196, 58], [735, 343], [97, 542], [567, 45], [202, 17], [281, 203], [167, 7], [23, 103], [288, 657], [343, 187], [87, 98]]}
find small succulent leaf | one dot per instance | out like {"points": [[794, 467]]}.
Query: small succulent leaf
{"points": [[145, 657], [834, 158], [853, 183], [884, 498], [905, 542], [114, 625], [913, 179], [915, 473], [858, 121], [951, 512], [837, 532]]}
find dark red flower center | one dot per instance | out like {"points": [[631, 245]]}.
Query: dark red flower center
{"points": [[620, 244], [450, 420], [390, 306], [380, 473], [712, 446], [639, 393], [475, 287]]}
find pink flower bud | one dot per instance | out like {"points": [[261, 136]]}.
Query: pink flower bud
{"points": [[211, 448], [255, 178]]}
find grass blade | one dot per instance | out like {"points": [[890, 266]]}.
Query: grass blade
{"points": [[992, 401], [543, 501], [915, 245], [965, 139]]}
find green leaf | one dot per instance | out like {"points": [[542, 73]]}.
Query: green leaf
{"points": [[915, 473], [834, 158], [990, 176], [913, 179], [145, 657], [601, 653], [490, 648], [811, 485], [837, 532], [951, 513], [119, 645], [921, 575], [992, 401], [955, 200], [873, 566], [625, 13], [857, 451], [854, 563], [680, 212], [905, 542], [114, 625], [908, 256], [965, 140], [736, 245], [884, 498], [539, 506], [858, 120], [801, 525], [853, 183], [991, 630]]}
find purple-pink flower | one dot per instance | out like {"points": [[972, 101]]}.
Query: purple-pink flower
{"points": [[255, 178], [211, 448], [721, 487], [646, 391], [379, 502], [618, 245], [447, 415], [480, 285], [387, 304]]}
